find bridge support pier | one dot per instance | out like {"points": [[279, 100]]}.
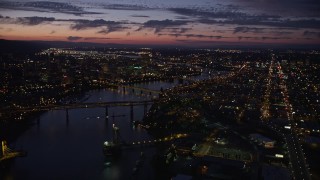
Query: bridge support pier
{"points": [[145, 109], [131, 112], [124, 89], [107, 113], [38, 121], [67, 116]]}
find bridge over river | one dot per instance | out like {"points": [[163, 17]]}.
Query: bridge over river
{"points": [[79, 105]]}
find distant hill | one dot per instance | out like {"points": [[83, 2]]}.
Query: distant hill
{"points": [[30, 47], [23, 47]]}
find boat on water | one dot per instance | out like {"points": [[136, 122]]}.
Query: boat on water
{"points": [[111, 148]]}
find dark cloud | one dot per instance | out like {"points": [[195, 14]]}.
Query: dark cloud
{"points": [[192, 36], [161, 25], [176, 30], [287, 23], [54, 6], [98, 38], [203, 36], [85, 24], [303, 23], [255, 30], [220, 31], [104, 31], [281, 33], [140, 16], [4, 17], [131, 7], [247, 37], [274, 38], [173, 34], [74, 38], [76, 24], [182, 17], [109, 26], [8, 20], [112, 28], [32, 21], [164, 23], [247, 29], [263, 38], [212, 17], [45, 6], [298, 8], [311, 34], [209, 14], [240, 18]]}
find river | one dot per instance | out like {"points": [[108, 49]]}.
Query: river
{"points": [[61, 149]]}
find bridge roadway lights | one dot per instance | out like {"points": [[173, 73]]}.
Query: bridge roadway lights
{"points": [[83, 105]]}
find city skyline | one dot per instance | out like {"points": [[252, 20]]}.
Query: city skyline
{"points": [[183, 23]]}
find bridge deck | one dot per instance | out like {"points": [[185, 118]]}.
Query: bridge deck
{"points": [[80, 105], [135, 87]]}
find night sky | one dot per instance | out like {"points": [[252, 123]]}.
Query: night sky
{"points": [[162, 22]]}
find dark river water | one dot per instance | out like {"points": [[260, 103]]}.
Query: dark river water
{"points": [[60, 149]]}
